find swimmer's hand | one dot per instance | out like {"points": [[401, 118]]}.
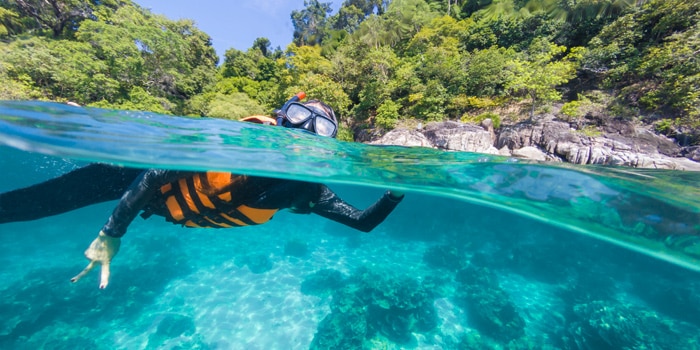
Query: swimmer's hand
{"points": [[101, 251], [394, 194]]}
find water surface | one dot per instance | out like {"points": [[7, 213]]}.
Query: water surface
{"points": [[484, 250]]}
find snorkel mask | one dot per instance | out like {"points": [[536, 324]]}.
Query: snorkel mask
{"points": [[314, 116]]}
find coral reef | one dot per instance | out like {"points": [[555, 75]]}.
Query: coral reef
{"points": [[612, 325], [322, 282], [444, 257], [342, 330], [490, 307], [373, 303]]}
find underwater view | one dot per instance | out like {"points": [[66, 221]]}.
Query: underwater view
{"points": [[483, 252]]}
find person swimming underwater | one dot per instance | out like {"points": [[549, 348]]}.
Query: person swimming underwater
{"points": [[193, 199]]}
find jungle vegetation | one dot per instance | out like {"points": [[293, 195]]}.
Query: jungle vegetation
{"points": [[379, 63]]}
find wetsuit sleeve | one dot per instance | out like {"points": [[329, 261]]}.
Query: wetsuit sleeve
{"points": [[332, 207], [137, 196]]}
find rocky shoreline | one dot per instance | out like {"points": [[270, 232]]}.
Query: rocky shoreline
{"points": [[545, 138]]}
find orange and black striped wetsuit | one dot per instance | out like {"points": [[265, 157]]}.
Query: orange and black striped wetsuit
{"points": [[193, 199]]}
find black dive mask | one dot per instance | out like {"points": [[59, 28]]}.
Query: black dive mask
{"points": [[299, 116]]}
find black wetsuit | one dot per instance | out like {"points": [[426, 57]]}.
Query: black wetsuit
{"points": [[140, 190]]}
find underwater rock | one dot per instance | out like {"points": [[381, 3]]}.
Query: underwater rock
{"points": [[341, 330], [489, 306], [611, 325], [346, 326], [393, 323], [438, 285], [444, 257], [401, 292], [474, 341], [347, 299], [296, 248], [322, 282], [370, 303], [407, 305]]}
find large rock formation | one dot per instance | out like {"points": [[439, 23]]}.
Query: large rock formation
{"points": [[547, 139]]}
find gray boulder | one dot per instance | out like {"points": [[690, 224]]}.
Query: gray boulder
{"points": [[547, 139], [452, 136], [630, 145]]}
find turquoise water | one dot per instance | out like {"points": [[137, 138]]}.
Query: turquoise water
{"points": [[484, 251]]}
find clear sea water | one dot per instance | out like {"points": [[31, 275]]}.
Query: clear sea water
{"points": [[484, 252]]}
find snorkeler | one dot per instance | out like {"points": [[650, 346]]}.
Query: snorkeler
{"points": [[193, 199]]}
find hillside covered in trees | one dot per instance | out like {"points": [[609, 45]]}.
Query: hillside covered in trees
{"points": [[380, 63]]}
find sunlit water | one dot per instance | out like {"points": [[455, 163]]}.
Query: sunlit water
{"points": [[484, 251]]}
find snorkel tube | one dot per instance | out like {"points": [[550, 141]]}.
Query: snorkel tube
{"points": [[280, 112]]}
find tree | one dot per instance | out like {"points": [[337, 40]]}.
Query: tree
{"points": [[264, 45], [348, 18], [8, 21], [55, 15], [310, 24], [368, 7], [307, 59], [239, 64], [485, 71], [538, 72], [387, 114], [371, 32], [234, 106]]}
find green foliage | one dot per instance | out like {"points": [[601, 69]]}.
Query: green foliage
{"points": [[486, 73], [495, 118], [321, 87], [651, 56], [373, 60], [345, 134], [539, 71], [402, 20], [307, 59], [235, 106], [479, 103], [238, 64], [8, 21], [572, 109], [665, 126], [310, 24], [138, 100], [123, 58], [59, 17], [590, 131], [429, 102], [387, 115]]}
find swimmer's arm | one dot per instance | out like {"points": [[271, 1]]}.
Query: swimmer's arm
{"points": [[103, 249], [333, 207], [137, 196]]}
